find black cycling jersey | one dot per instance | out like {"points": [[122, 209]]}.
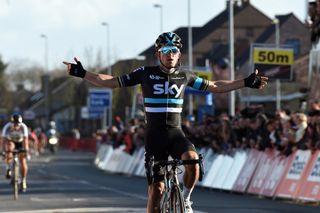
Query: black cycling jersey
{"points": [[163, 93]]}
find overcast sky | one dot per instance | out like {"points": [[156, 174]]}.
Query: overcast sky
{"points": [[73, 27]]}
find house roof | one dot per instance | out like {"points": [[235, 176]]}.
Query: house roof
{"points": [[269, 31], [198, 33]]}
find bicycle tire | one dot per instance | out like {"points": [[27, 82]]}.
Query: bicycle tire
{"points": [[177, 201], [164, 203], [15, 180]]}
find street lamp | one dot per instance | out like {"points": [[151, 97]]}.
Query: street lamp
{"points": [[108, 114], [231, 53], [107, 46], [45, 37], [161, 16], [275, 21], [190, 55], [46, 80]]}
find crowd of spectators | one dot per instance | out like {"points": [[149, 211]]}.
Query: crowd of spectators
{"points": [[251, 128]]}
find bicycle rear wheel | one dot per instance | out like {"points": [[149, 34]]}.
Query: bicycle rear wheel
{"points": [[177, 201]]}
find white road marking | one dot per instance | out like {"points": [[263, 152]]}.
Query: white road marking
{"points": [[93, 209], [79, 210]]}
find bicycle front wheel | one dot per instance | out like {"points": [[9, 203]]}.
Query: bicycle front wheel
{"points": [[15, 180], [165, 203], [177, 201]]}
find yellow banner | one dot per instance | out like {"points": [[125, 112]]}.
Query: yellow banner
{"points": [[203, 74], [273, 56]]}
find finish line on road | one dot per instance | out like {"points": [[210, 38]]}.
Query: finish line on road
{"points": [[95, 209], [76, 210]]}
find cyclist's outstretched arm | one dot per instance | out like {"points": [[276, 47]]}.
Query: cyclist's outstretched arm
{"points": [[253, 81], [102, 80]]}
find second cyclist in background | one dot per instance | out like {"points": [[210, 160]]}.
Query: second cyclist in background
{"points": [[15, 136]]}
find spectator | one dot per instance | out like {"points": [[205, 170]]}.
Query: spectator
{"points": [[76, 134], [118, 123]]}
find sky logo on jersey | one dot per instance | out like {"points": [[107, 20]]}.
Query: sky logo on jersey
{"points": [[166, 89]]}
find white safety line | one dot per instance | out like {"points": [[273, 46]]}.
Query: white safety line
{"points": [[79, 210]]}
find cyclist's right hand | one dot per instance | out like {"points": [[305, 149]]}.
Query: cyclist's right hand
{"points": [[75, 69]]}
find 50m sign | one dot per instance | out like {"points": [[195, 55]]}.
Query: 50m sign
{"points": [[273, 56], [275, 63]]}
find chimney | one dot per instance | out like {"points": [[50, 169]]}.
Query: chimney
{"points": [[238, 3]]}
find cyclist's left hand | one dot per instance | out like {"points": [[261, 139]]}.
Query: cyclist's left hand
{"points": [[256, 81], [75, 69]]}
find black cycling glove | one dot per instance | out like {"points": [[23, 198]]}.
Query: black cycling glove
{"points": [[253, 81], [77, 70]]}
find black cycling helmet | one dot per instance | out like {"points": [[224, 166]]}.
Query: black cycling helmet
{"points": [[16, 118], [168, 39]]}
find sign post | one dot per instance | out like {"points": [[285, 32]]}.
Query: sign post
{"points": [[100, 105]]}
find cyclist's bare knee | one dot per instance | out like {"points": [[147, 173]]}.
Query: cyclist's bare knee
{"points": [[189, 155]]}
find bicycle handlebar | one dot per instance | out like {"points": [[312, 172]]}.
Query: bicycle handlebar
{"points": [[15, 151], [176, 162]]}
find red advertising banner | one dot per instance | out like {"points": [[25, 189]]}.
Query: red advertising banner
{"points": [[262, 171], [310, 189], [292, 181], [247, 171], [277, 171]]}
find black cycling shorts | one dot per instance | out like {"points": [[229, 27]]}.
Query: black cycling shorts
{"points": [[162, 142], [18, 146]]}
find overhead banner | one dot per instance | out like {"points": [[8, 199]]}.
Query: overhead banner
{"points": [[275, 63]]}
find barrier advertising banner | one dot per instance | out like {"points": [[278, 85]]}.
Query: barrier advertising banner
{"points": [[275, 175], [290, 184], [310, 189], [238, 163], [261, 173], [247, 171]]}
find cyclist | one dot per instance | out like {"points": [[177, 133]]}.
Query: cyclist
{"points": [[15, 135], [163, 90]]}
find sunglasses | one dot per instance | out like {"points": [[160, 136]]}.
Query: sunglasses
{"points": [[168, 50]]}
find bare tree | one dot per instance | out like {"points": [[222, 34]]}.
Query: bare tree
{"points": [[23, 72]]}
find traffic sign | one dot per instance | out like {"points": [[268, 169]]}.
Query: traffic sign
{"points": [[99, 98]]}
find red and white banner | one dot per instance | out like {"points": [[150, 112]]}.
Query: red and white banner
{"points": [[262, 171], [247, 171], [310, 189], [291, 183], [276, 173]]}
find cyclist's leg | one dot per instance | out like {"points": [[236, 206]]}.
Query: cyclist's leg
{"points": [[23, 167], [155, 145], [9, 147], [183, 149], [191, 174], [155, 191]]}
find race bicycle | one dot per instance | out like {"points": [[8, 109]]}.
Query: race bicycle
{"points": [[15, 175], [172, 200]]}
